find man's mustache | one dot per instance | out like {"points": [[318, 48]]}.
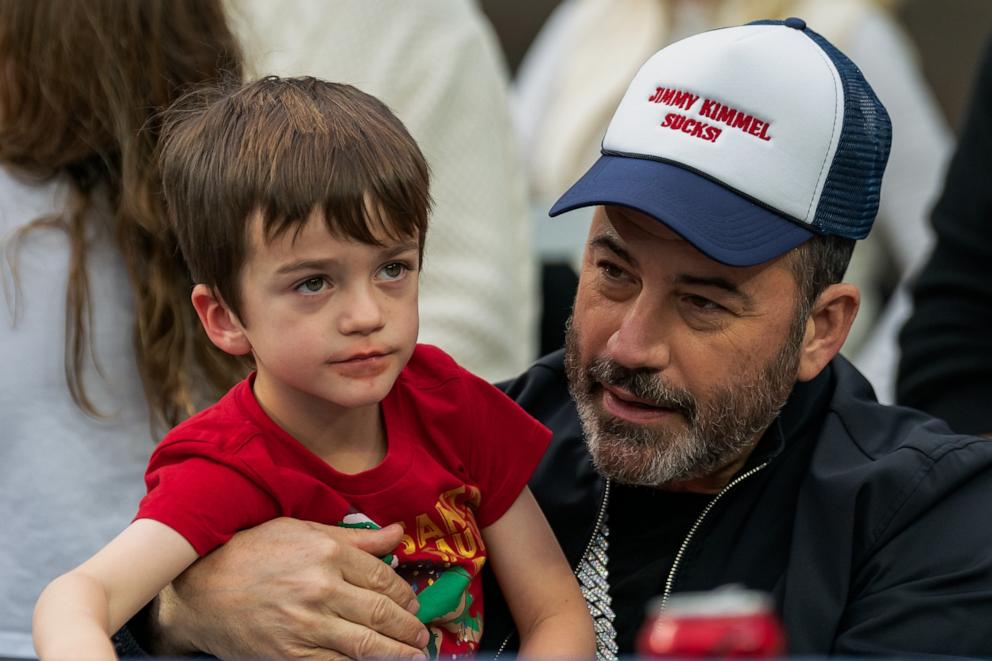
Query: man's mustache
{"points": [[644, 384]]}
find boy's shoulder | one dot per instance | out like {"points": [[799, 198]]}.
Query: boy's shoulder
{"points": [[433, 380], [429, 367], [226, 424]]}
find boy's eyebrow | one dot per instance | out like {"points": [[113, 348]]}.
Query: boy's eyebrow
{"points": [[388, 252], [400, 248], [306, 265]]}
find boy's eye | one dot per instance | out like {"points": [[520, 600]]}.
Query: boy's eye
{"points": [[393, 271], [311, 286]]}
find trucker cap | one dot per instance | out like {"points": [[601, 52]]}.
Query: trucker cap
{"points": [[746, 141]]}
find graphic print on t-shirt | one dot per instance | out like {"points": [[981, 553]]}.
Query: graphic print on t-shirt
{"points": [[440, 555]]}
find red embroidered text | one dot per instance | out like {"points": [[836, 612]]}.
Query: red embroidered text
{"points": [[713, 110]]}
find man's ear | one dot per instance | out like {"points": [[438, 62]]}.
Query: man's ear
{"points": [[222, 326], [827, 328]]}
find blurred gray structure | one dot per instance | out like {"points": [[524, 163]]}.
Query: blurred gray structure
{"points": [[949, 35]]}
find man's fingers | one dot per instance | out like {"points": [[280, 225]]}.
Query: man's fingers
{"points": [[351, 556], [377, 542], [360, 642], [380, 578], [372, 596], [373, 611], [317, 654]]}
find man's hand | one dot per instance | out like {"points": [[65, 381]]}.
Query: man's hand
{"points": [[292, 589]]}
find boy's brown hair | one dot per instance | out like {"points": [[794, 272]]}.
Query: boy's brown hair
{"points": [[283, 148]]}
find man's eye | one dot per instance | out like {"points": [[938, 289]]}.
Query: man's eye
{"points": [[702, 304], [393, 271], [312, 286], [611, 270]]}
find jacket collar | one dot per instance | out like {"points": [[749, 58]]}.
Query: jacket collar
{"points": [[802, 411]]}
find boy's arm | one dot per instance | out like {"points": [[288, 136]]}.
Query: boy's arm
{"points": [[78, 611], [540, 589]]}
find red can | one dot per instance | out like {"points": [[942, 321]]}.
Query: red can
{"points": [[727, 622]]}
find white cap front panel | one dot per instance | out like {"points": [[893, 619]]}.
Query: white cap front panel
{"points": [[702, 103]]}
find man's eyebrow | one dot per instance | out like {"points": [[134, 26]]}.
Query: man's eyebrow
{"points": [[610, 242], [713, 281]]}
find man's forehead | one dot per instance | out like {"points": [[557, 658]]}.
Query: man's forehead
{"points": [[634, 224], [631, 226], [639, 234]]}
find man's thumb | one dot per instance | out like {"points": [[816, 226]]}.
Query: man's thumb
{"points": [[377, 542]]}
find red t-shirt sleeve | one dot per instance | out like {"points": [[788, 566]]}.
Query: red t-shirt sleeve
{"points": [[206, 499], [508, 444]]}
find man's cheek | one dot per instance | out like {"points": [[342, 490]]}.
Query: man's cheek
{"points": [[592, 324]]}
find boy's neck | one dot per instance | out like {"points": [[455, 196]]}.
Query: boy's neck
{"points": [[350, 440]]}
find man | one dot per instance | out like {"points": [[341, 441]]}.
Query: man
{"points": [[706, 432]]}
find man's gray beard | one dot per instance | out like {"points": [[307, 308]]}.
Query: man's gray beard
{"points": [[716, 431]]}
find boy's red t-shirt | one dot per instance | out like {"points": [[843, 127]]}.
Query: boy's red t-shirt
{"points": [[459, 453]]}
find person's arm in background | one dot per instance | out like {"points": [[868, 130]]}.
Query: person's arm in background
{"points": [[921, 147], [437, 65], [946, 365]]}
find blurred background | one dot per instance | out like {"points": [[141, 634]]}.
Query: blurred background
{"points": [[948, 36], [508, 99]]}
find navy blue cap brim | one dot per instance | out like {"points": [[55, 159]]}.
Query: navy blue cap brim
{"points": [[720, 223]]}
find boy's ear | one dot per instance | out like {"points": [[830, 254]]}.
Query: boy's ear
{"points": [[222, 326], [827, 328]]}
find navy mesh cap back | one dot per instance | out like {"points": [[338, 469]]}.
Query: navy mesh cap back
{"points": [[849, 202]]}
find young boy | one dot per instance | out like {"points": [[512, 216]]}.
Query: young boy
{"points": [[301, 208]]}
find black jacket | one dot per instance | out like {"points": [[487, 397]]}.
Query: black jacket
{"points": [[867, 523]]}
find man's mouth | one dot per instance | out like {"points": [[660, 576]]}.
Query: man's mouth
{"points": [[622, 404], [629, 398]]}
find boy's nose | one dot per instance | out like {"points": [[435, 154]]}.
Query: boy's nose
{"points": [[363, 313]]}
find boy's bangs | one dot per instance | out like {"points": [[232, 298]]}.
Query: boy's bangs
{"points": [[360, 168], [284, 148], [377, 218]]}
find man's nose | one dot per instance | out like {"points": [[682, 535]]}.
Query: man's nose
{"points": [[363, 313], [641, 340]]}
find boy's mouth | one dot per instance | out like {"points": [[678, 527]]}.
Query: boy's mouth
{"points": [[362, 365], [359, 357], [363, 356]]}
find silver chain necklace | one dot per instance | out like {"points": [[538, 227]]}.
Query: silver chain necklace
{"points": [[593, 578]]}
